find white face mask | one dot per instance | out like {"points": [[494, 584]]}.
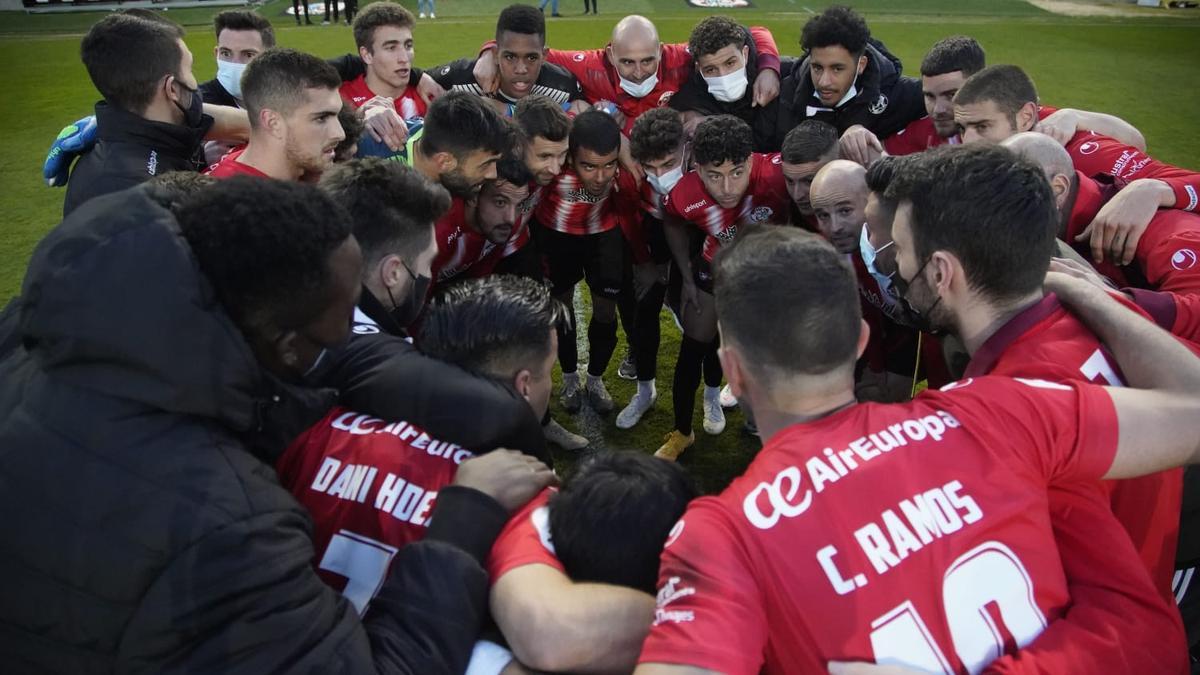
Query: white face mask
{"points": [[663, 184], [229, 74], [869, 253], [728, 88], [638, 90]]}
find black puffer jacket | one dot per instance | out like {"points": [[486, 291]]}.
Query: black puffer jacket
{"points": [[886, 101], [138, 534], [130, 150]]}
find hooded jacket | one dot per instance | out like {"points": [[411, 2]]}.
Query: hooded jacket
{"points": [[131, 149], [694, 96], [139, 534], [885, 101]]}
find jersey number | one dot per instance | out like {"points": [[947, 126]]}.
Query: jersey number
{"points": [[1097, 369], [363, 561], [989, 575]]}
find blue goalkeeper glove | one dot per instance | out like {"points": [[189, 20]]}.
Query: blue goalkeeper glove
{"points": [[74, 140]]}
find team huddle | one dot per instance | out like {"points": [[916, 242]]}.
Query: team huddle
{"points": [[288, 362]]}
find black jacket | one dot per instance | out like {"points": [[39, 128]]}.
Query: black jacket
{"points": [[130, 150], [138, 534], [885, 103], [214, 92], [380, 373], [554, 82], [694, 96]]}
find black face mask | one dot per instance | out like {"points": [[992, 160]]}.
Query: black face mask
{"points": [[919, 319], [407, 312], [193, 115]]}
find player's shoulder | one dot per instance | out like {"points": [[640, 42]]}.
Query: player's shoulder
{"points": [[688, 196]]}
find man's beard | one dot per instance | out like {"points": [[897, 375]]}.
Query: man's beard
{"points": [[308, 163], [458, 185]]}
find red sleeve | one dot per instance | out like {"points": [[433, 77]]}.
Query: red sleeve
{"points": [[1094, 154], [578, 63], [628, 202], [525, 540], [1169, 252], [709, 612], [764, 44]]}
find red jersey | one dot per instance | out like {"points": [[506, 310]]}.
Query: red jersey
{"points": [[565, 206], [229, 166], [1167, 255], [1173, 312], [520, 234], [1046, 341], [525, 540], [408, 105], [766, 201], [918, 136], [461, 250], [370, 486], [916, 534], [600, 81]]}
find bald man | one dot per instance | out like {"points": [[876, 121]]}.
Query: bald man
{"points": [[839, 200], [1166, 250], [636, 72]]}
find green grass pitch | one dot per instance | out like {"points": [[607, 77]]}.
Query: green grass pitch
{"points": [[1143, 68]]}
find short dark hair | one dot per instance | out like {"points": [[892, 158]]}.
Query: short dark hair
{"points": [[495, 325], [809, 141], [127, 56], [594, 130], [656, 133], [953, 54], [353, 126], [992, 209], [522, 19], [173, 188], [881, 172], [1006, 86], [541, 116], [722, 138], [278, 78], [462, 123], [377, 15], [796, 281], [715, 33], [836, 26], [265, 247], [244, 19], [392, 206], [514, 171], [610, 521]]}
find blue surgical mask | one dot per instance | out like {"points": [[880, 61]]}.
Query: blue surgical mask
{"points": [[663, 184], [229, 74], [869, 254]]}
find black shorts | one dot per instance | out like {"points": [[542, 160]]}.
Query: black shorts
{"points": [[656, 237], [597, 258]]}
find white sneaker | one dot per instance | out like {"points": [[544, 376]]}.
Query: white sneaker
{"points": [[432, 15], [632, 414], [421, 16], [558, 435], [728, 400], [714, 416]]}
